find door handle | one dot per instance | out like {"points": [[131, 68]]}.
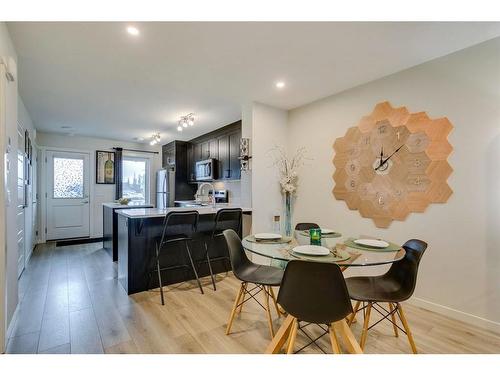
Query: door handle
{"points": [[85, 202]]}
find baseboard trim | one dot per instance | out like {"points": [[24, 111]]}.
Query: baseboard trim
{"points": [[12, 323], [456, 314]]}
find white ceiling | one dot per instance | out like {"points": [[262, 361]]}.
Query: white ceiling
{"points": [[103, 82]]}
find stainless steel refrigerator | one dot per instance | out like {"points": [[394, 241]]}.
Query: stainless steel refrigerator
{"points": [[165, 188]]}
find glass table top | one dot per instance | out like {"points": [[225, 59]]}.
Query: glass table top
{"points": [[357, 257]]}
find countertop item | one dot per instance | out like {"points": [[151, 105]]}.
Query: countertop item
{"points": [[143, 213]]}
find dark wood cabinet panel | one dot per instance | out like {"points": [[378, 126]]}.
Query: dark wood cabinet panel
{"points": [[234, 153], [224, 168], [213, 148], [205, 151], [191, 163], [168, 155]]}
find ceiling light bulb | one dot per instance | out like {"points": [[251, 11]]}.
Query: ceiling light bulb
{"points": [[152, 143], [184, 123], [133, 30], [179, 128], [280, 84], [190, 121]]}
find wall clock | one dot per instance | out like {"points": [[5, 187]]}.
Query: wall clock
{"points": [[393, 163]]}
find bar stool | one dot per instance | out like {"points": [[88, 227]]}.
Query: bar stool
{"points": [[226, 218], [178, 228]]}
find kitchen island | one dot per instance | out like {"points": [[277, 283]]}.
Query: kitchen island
{"points": [[110, 223], [140, 229]]}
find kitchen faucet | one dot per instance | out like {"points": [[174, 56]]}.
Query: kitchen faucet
{"points": [[200, 188]]}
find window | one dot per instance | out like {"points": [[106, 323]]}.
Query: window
{"points": [[135, 179], [68, 178]]}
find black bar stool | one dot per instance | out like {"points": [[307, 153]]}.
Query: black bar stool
{"points": [[226, 218], [178, 227]]}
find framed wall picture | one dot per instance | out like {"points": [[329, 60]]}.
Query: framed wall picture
{"points": [[105, 167]]}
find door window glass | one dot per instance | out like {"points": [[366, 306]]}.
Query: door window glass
{"points": [[68, 178], [135, 180]]}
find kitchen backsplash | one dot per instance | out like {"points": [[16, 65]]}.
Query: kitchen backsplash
{"points": [[233, 189]]}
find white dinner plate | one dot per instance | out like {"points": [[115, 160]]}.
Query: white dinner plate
{"points": [[327, 231], [379, 244], [311, 250], [267, 236]]}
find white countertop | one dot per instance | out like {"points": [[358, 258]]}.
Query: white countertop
{"points": [[130, 206], [141, 213]]}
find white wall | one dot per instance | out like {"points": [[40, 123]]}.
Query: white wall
{"points": [[8, 270], [269, 129], [100, 193], [25, 122], [460, 272]]}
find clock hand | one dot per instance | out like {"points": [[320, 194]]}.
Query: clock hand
{"points": [[385, 160], [381, 154]]}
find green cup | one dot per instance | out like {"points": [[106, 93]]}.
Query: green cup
{"points": [[315, 236]]}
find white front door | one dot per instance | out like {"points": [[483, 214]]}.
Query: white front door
{"points": [[68, 214]]}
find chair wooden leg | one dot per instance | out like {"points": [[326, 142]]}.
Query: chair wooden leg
{"points": [[333, 340], [293, 335], [242, 298], [366, 323], [351, 318], [393, 319], [268, 310], [233, 311], [407, 328], [348, 337], [271, 291], [281, 336]]}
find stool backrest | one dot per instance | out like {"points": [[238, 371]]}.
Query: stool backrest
{"points": [[227, 218], [237, 255], [178, 224], [404, 272], [306, 226], [314, 292]]}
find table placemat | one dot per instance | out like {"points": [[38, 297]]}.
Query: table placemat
{"points": [[336, 255], [329, 235], [283, 239], [392, 246]]}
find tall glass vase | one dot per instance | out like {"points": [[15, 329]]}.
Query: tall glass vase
{"points": [[288, 214]]}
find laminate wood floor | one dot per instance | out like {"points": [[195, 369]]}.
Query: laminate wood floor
{"points": [[71, 302]]}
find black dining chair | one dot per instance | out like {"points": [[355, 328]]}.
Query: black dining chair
{"points": [[306, 226], [314, 293], [226, 218], [395, 286], [262, 277], [178, 228]]}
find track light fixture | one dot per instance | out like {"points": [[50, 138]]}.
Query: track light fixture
{"points": [[155, 138], [186, 121]]}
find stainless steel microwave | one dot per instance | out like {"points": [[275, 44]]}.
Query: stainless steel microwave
{"points": [[206, 170]]}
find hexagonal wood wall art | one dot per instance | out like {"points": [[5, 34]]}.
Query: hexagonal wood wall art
{"points": [[393, 163]]}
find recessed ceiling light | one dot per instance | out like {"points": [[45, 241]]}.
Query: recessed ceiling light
{"points": [[132, 30], [280, 84]]}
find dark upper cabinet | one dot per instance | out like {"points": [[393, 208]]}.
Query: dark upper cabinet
{"points": [[168, 155], [222, 144], [175, 156], [213, 148], [224, 168], [234, 153]]}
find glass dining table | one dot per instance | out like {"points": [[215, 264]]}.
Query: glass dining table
{"points": [[343, 251]]}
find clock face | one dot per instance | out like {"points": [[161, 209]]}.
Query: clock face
{"points": [[393, 163]]}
